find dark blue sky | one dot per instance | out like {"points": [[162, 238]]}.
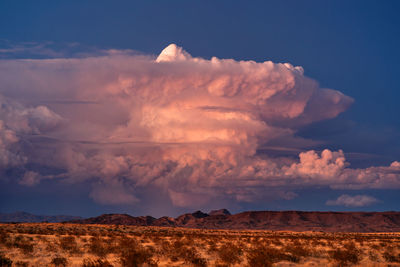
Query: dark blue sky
{"points": [[350, 46]]}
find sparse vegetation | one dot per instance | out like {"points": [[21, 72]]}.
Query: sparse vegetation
{"points": [[107, 245]]}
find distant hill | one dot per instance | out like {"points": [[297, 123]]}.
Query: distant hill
{"points": [[121, 219], [27, 217], [265, 220]]}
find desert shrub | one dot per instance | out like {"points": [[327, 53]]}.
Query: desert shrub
{"points": [[24, 244], [68, 243], [178, 244], [98, 247], [96, 263], [178, 250], [112, 245], [79, 231], [26, 248], [41, 238], [191, 256], [126, 243], [373, 256], [229, 254], [347, 256], [4, 261], [4, 237], [164, 247], [375, 246], [188, 240], [21, 264], [59, 261], [277, 242], [51, 247], [329, 243], [297, 251], [111, 234], [264, 256], [61, 230], [135, 256], [317, 242], [390, 256], [155, 238]]}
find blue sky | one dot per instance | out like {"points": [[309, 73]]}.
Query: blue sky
{"points": [[349, 46]]}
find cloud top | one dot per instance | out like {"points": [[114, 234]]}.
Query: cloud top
{"points": [[173, 53]]}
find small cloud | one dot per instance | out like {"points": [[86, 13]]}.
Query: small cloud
{"points": [[30, 178], [353, 201]]}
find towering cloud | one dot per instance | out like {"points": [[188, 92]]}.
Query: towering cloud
{"points": [[188, 126]]}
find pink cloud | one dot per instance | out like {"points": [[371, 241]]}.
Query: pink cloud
{"points": [[189, 126]]}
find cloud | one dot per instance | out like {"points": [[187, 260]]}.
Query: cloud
{"points": [[353, 201], [113, 193], [329, 164], [189, 126], [331, 169], [16, 120], [30, 178], [48, 49]]}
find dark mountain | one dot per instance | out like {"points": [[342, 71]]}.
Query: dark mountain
{"points": [[165, 221], [266, 220], [118, 219], [219, 212], [27, 217]]}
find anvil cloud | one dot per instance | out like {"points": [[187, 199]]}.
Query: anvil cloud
{"points": [[190, 127]]}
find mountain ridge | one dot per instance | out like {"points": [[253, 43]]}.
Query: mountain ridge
{"points": [[327, 221], [21, 216]]}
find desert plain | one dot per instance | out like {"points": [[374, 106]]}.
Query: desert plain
{"points": [[64, 244]]}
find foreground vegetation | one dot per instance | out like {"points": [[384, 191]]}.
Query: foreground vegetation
{"points": [[46, 244]]}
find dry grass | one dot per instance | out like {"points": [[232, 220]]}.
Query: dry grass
{"points": [[47, 244]]}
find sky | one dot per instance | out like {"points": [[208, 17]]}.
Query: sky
{"points": [[164, 107]]}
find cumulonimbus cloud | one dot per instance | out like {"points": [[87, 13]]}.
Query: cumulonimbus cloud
{"points": [[188, 126]]}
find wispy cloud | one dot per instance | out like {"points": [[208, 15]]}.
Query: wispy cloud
{"points": [[353, 201], [52, 50]]}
